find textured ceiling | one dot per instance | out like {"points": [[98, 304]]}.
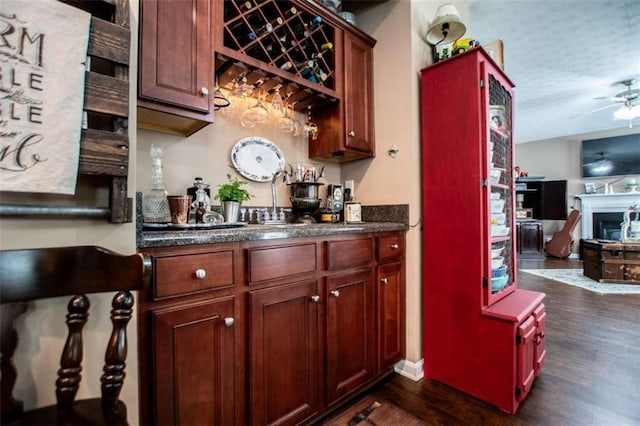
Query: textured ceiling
{"points": [[561, 54]]}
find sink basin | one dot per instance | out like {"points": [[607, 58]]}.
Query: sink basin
{"points": [[289, 225]]}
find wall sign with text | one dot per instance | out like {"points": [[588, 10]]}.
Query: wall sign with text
{"points": [[43, 54]]}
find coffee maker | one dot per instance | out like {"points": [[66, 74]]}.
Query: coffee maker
{"points": [[333, 211]]}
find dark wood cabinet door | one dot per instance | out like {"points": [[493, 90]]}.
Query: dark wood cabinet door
{"points": [[358, 85], [176, 65], [284, 338], [529, 238], [390, 314], [194, 358], [350, 332]]}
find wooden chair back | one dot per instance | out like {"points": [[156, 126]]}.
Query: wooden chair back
{"points": [[31, 274], [561, 243]]}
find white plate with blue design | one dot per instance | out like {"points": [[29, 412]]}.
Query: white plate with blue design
{"points": [[257, 159]]}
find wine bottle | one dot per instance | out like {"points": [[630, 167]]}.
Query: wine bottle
{"points": [[290, 12], [266, 29], [317, 20], [286, 66], [245, 6], [323, 48], [305, 64], [247, 38], [319, 73], [300, 30], [307, 71]]}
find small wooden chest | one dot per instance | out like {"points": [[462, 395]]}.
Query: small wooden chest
{"points": [[611, 261]]}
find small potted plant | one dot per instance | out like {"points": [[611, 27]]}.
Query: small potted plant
{"points": [[231, 195]]}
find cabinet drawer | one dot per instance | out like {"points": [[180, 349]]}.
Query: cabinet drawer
{"points": [[347, 253], [179, 275], [278, 262], [390, 246]]}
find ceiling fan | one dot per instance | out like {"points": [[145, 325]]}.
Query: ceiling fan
{"points": [[630, 99]]}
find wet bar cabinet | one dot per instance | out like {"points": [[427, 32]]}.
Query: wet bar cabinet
{"points": [[482, 334]]}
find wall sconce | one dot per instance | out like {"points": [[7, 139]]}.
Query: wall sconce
{"points": [[446, 27]]}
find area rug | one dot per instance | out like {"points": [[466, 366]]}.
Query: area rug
{"points": [[373, 411], [576, 278]]}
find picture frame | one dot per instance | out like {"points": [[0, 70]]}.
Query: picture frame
{"points": [[590, 188]]}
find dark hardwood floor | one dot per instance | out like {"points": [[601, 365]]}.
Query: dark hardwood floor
{"points": [[591, 375]]}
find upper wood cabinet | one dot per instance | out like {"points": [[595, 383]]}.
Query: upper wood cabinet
{"points": [[176, 77], [319, 62], [346, 133]]}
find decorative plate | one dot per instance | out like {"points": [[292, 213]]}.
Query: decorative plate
{"points": [[257, 158]]}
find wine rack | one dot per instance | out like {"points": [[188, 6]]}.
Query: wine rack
{"points": [[279, 43]]}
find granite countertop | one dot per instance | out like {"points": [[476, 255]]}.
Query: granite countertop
{"points": [[164, 238], [381, 218]]}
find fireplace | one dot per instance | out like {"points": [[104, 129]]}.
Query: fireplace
{"points": [[603, 213], [606, 226]]}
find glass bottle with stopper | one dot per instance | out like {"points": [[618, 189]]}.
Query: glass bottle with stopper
{"points": [[200, 195], [155, 207]]}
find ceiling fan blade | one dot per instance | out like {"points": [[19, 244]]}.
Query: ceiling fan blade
{"points": [[595, 110], [609, 98]]}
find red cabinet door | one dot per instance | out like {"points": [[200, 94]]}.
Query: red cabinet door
{"points": [[525, 363], [540, 318]]}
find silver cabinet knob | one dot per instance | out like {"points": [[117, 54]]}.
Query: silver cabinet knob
{"points": [[204, 91], [394, 246], [384, 280], [315, 298], [229, 321], [335, 293], [352, 133], [201, 274]]}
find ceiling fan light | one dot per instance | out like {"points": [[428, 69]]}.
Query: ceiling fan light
{"points": [[627, 112]]}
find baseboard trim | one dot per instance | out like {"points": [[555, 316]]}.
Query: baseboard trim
{"points": [[410, 369]]}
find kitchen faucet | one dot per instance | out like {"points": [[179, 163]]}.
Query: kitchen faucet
{"points": [[275, 218]]}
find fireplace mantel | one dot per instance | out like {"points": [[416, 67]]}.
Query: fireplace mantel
{"points": [[603, 203]]}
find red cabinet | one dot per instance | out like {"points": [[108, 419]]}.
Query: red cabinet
{"points": [[471, 298]]}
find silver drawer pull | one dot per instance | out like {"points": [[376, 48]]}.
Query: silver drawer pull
{"points": [[201, 274], [229, 321], [315, 298], [384, 280], [352, 133], [204, 91], [335, 293], [394, 246]]}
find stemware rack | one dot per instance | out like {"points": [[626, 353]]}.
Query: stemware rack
{"points": [[291, 44]]}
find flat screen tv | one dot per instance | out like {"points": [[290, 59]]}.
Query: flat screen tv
{"points": [[614, 156]]}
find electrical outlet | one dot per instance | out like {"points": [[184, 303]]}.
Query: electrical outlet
{"points": [[350, 185]]}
